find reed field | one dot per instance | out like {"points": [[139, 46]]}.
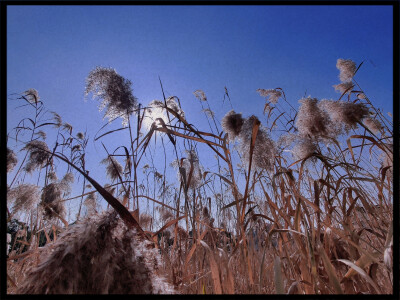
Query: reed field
{"points": [[298, 201]]}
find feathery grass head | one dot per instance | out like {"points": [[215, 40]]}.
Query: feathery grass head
{"points": [[373, 124], [57, 120], [345, 113], [303, 148], [271, 94], [347, 69], [286, 140], [91, 203], [80, 135], [145, 221], [311, 121], [344, 87], [115, 92], [68, 179], [32, 95], [183, 167], [38, 157], [114, 168], [51, 200], [67, 127], [76, 148], [193, 159], [41, 134], [209, 112], [388, 255], [199, 94], [232, 124], [264, 149], [165, 213], [11, 160], [24, 196], [173, 104], [361, 96], [98, 255], [52, 176]]}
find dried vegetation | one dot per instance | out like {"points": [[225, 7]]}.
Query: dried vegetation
{"points": [[310, 213]]}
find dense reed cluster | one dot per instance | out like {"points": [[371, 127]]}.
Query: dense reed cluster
{"points": [[294, 201], [98, 255]]}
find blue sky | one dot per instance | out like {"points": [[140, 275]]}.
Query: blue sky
{"points": [[53, 48]]}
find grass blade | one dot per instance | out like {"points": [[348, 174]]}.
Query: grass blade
{"points": [[278, 279], [331, 271], [355, 268]]}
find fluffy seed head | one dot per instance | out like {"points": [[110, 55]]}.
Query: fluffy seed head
{"points": [[286, 140], [97, 255], [24, 196], [311, 121], [145, 221], [80, 135], [57, 119], [38, 157], [52, 195], [76, 148], [361, 96], [232, 124], [303, 148], [264, 149], [165, 213], [41, 134], [52, 176], [67, 127], [68, 179], [199, 94], [32, 95], [113, 167], [91, 203], [344, 87], [271, 94], [172, 104], [373, 124], [346, 113], [347, 69], [115, 92], [11, 160], [388, 256], [209, 112], [184, 166]]}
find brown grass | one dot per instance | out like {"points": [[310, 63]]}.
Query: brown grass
{"points": [[310, 216]]}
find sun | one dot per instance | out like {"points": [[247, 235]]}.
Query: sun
{"points": [[156, 110], [152, 113]]}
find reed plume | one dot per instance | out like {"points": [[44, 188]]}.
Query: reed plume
{"points": [[115, 92], [24, 196], [232, 124], [38, 155], [97, 255], [347, 69], [11, 160], [264, 149]]}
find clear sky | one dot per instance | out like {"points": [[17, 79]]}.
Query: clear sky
{"points": [[53, 48]]}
